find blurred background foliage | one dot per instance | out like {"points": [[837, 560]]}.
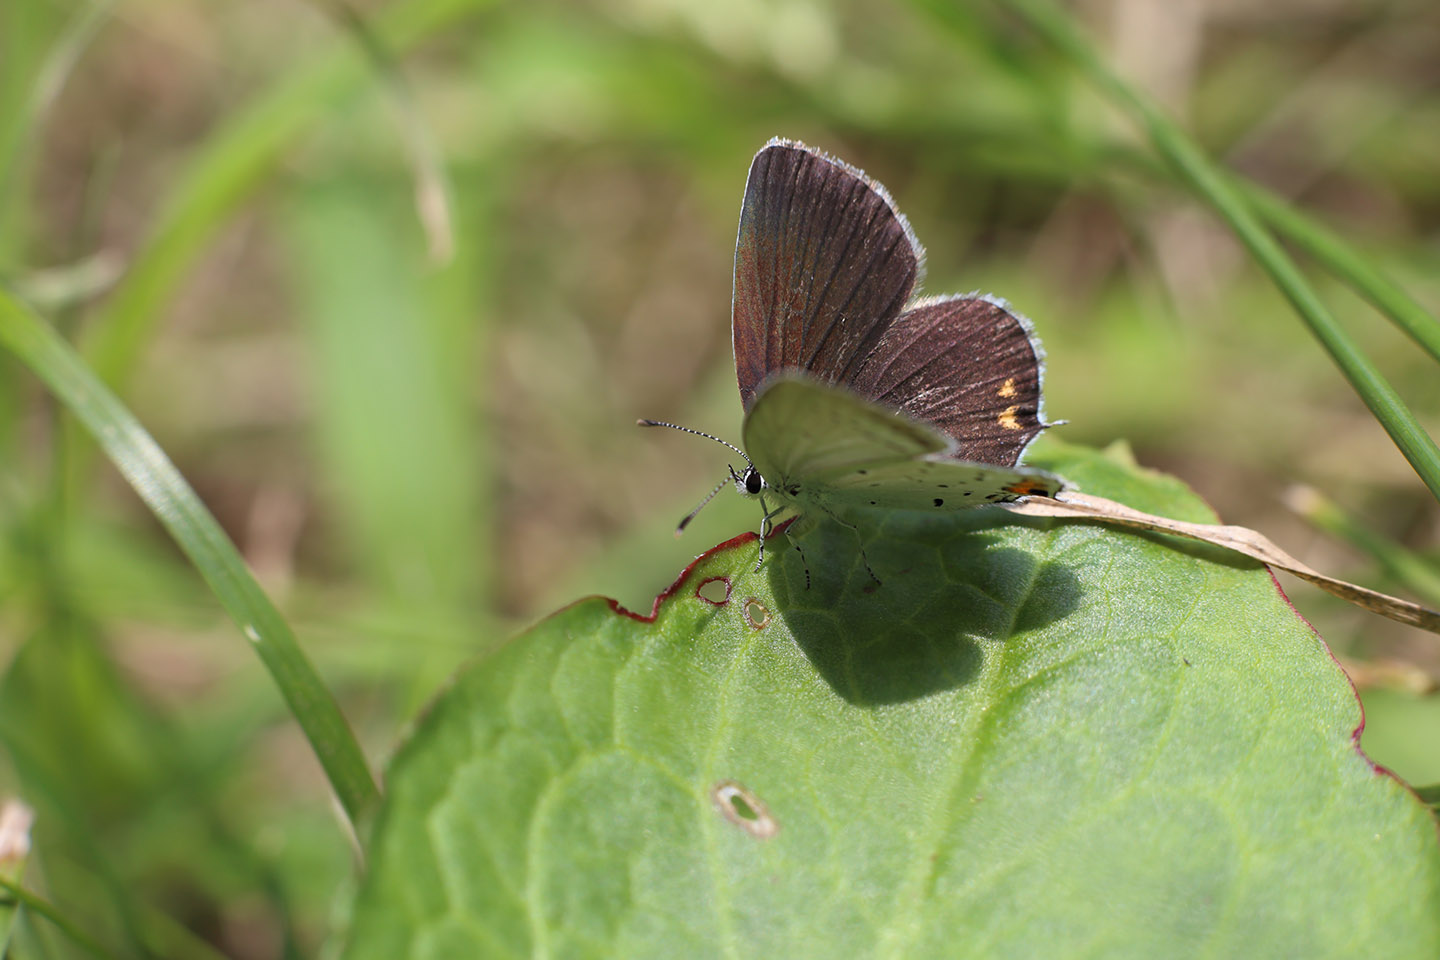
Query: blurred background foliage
{"points": [[391, 284]]}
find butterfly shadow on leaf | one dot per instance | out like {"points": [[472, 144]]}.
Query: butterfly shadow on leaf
{"points": [[954, 589]]}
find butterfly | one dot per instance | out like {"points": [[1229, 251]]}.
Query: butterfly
{"points": [[857, 397]]}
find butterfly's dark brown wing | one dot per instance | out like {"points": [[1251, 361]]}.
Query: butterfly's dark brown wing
{"points": [[823, 264], [967, 366]]}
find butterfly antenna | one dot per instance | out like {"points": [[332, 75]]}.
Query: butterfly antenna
{"points": [[699, 433], [680, 528], [719, 486]]}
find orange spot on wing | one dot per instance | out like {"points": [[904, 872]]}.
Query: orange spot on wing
{"points": [[1028, 488], [1007, 389], [1008, 420]]}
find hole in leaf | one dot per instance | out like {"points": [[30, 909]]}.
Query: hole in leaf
{"points": [[716, 590], [744, 809], [755, 613]]}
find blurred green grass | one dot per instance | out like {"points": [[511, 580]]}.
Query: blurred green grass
{"points": [[418, 457]]}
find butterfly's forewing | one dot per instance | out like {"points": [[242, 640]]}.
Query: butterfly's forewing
{"points": [[929, 484], [823, 264], [798, 430], [966, 365]]}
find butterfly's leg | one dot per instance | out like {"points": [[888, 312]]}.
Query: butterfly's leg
{"points": [[766, 524], [802, 525], [764, 532], [803, 562], [858, 539]]}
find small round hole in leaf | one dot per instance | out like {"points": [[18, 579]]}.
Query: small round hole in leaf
{"points": [[741, 807], [755, 613], [716, 590]]}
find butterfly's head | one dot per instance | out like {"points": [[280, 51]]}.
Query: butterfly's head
{"points": [[748, 482]]}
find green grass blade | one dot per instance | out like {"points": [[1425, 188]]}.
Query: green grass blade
{"points": [[147, 469], [15, 821], [232, 162], [1323, 244], [1418, 574], [1214, 185], [21, 132], [47, 910], [434, 195], [1331, 250]]}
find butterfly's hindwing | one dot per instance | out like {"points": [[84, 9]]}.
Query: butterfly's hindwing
{"points": [[823, 263], [927, 484], [966, 365]]}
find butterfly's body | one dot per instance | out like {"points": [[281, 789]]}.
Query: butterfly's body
{"points": [[853, 402]]}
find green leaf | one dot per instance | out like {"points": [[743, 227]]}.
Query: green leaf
{"points": [[1035, 739]]}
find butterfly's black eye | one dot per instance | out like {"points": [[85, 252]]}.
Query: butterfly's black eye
{"points": [[753, 481]]}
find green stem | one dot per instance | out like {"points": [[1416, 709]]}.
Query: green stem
{"points": [[1329, 249], [1323, 244], [1415, 572], [1214, 185], [231, 163], [45, 909], [147, 469]]}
